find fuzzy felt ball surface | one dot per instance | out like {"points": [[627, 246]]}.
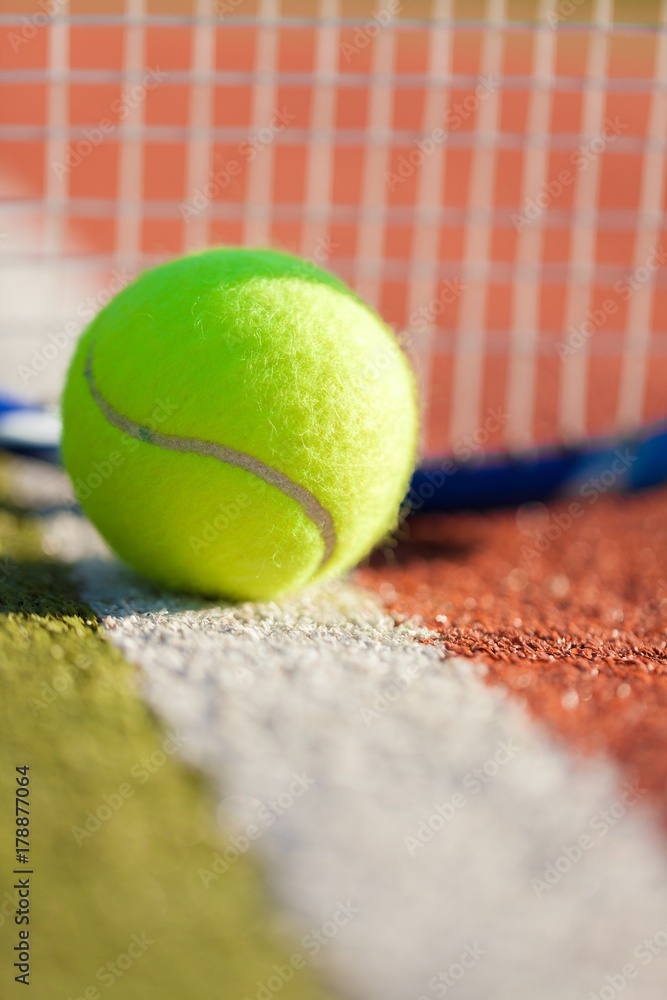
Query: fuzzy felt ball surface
{"points": [[239, 423]]}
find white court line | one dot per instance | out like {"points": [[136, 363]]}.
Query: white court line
{"points": [[574, 385], [370, 234], [424, 261], [468, 375], [198, 166], [259, 193], [131, 145], [650, 224], [525, 333], [319, 172]]}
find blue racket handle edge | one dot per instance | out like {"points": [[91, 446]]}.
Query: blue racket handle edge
{"points": [[597, 466]]}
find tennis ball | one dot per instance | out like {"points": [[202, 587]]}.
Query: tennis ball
{"points": [[239, 423]]}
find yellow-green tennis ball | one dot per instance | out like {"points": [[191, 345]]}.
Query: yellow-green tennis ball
{"points": [[239, 423]]}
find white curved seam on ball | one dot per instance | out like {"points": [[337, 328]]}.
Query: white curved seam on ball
{"points": [[309, 503]]}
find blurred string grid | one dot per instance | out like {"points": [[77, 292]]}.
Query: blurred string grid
{"points": [[489, 175]]}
